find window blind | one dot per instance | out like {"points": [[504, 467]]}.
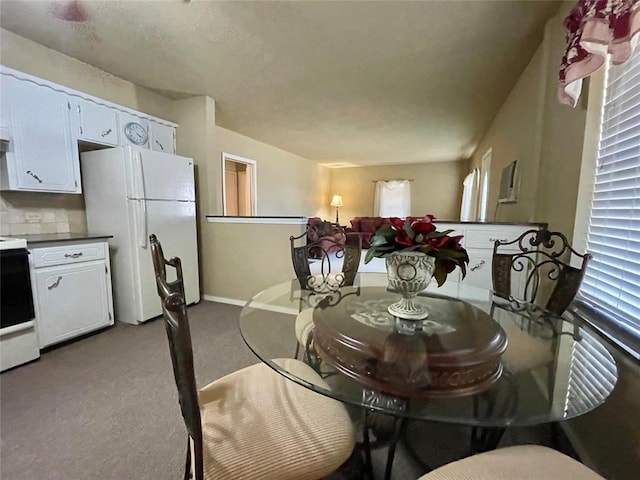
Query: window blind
{"points": [[612, 280], [592, 376]]}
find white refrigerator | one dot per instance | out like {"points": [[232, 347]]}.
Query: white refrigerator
{"points": [[132, 192]]}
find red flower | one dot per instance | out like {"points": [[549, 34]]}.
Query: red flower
{"points": [[423, 227], [403, 239], [396, 223]]}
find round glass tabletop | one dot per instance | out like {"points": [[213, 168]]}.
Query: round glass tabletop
{"points": [[469, 362]]}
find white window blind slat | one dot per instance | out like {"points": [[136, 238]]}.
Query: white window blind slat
{"points": [[612, 279]]}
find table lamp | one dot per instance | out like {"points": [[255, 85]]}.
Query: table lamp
{"points": [[336, 201]]}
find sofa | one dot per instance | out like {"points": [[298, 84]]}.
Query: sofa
{"points": [[326, 234], [365, 228]]}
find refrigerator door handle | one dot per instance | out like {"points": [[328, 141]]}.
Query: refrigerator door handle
{"points": [[138, 177], [141, 222]]}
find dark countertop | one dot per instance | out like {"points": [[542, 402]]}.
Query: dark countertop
{"points": [[533, 224], [436, 221], [60, 237]]}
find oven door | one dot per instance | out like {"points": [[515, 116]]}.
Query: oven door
{"points": [[16, 302]]}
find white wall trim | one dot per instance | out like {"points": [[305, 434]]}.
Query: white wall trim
{"points": [[254, 305], [255, 220]]}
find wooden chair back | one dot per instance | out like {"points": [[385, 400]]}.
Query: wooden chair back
{"points": [[327, 252], [544, 257], [174, 309]]}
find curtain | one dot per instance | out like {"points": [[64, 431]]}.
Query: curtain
{"points": [[596, 28], [392, 198], [469, 194]]}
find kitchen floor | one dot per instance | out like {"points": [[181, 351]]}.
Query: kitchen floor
{"points": [[105, 406]]}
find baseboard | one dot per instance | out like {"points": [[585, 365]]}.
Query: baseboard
{"points": [[231, 301], [258, 306]]}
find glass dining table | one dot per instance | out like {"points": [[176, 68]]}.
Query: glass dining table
{"points": [[488, 365]]}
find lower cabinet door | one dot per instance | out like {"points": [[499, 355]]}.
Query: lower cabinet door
{"points": [[72, 299], [479, 280], [477, 284]]}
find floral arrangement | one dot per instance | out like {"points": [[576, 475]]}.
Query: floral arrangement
{"points": [[421, 235]]}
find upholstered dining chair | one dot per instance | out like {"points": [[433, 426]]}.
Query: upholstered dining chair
{"points": [[546, 260], [522, 462], [325, 262], [252, 423]]}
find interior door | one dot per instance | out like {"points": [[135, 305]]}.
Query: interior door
{"points": [[174, 223]]}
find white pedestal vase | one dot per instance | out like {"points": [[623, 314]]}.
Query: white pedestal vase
{"points": [[409, 273]]}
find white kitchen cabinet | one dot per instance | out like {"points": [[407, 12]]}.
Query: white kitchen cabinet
{"points": [[95, 123], [72, 290], [479, 240], [163, 137], [42, 154]]}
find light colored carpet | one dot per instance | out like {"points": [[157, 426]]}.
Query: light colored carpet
{"points": [[105, 406]]}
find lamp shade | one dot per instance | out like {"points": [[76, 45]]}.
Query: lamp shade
{"points": [[336, 201]]}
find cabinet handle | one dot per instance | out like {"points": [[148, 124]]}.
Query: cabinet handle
{"points": [[106, 132], [55, 284], [498, 240], [73, 255], [476, 267], [29, 172], [160, 145]]}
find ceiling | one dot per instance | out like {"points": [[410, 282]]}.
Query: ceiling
{"points": [[341, 83]]}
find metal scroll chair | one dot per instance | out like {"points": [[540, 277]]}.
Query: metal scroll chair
{"points": [[252, 422], [545, 259], [522, 461], [327, 261]]}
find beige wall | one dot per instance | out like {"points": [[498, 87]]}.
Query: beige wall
{"points": [[545, 136], [548, 139], [249, 258], [35, 59], [516, 133], [61, 212], [288, 185], [436, 189], [196, 138]]}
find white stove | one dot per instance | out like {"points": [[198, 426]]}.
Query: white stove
{"points": [[18, 337], [9, 243]]}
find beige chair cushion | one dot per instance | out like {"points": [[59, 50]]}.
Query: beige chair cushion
{"points": [[259, 425], [525, 352], [523, 462], [304, 326]]}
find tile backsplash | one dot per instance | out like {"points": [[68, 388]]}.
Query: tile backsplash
{"points": [[23, 213]]}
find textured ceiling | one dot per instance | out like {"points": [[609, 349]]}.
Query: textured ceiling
{"points": [[357, 83]]}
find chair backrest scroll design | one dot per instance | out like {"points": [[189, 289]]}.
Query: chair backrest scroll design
{"points": [[543, 256]]}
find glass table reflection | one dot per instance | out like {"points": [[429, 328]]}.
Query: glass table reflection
{"points": [[479, 364]]}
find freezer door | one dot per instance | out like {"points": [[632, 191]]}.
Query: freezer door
{"points": [[160, 176], [174, 223]]}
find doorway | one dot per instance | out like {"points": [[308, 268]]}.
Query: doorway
{"points": [[238, 186]]}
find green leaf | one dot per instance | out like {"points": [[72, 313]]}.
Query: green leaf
{"points": [[370, 254], [440, 274], [377, 240], [407, 228]]}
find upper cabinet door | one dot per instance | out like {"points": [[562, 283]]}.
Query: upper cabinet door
{"points": [[134, 130], [42, 154], [96, 123], [163, 138]]}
